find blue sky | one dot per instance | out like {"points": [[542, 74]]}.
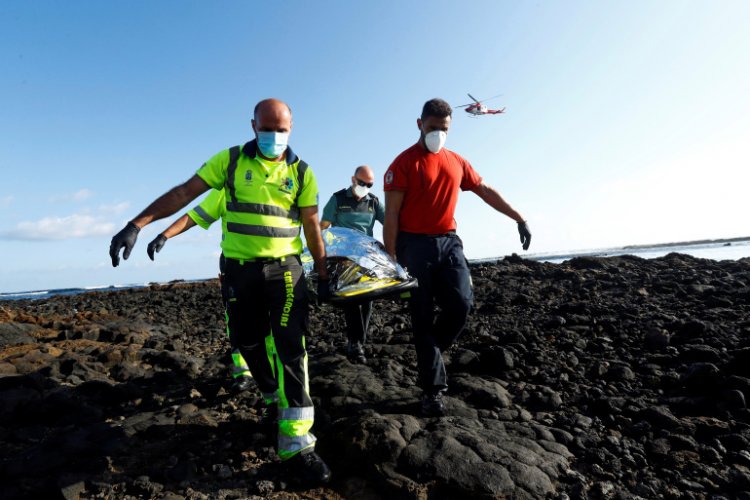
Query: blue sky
{"points": [[626, 123]]}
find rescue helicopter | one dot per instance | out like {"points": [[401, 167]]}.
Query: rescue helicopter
{"points": [[476, 108]]}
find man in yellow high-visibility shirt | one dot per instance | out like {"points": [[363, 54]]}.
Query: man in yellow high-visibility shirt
{"points": [[270, 193]]}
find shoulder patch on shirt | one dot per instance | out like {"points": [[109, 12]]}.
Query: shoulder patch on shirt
{"points": [[389, 177]]}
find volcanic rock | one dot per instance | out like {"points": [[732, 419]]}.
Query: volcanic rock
{"points": [[596, 378]]}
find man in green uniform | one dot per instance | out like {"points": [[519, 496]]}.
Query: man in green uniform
{"points": [[270, 193], [209, 210], [356, 208]]}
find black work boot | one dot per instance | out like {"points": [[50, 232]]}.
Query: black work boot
{"points": [[355, 353], [242, 384], [268, 416], [433, 405], [307, 468]]}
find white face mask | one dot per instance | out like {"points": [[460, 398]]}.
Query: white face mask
{"points": [[435, 140], [360, 191]]}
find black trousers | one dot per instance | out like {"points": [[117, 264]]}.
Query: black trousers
{"points": [[239, 366], [269, 298], [224, 299], [357, 320], [439, 264]]}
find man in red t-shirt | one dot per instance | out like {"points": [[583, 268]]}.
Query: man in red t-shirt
{"points": [[421, 190]]}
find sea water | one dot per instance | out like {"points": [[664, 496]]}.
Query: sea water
{"points": [[717, 251], [45, 294]]}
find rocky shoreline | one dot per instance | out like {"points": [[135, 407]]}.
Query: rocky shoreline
{"points": [[596, 378]]}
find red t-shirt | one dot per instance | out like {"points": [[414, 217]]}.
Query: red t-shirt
{"points": [[430, 182]]}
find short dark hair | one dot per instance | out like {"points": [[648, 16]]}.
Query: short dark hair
{"points": [[436, 107]]}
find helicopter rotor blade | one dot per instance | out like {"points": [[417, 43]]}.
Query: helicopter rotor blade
{"points": [[493, 97], [483, 100]]}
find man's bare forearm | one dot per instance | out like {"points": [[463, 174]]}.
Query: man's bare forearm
{"points": [[390, 233], [393, 201], [179, 226], [314, 240], [491, 197], [164, 206], [171, 201]]}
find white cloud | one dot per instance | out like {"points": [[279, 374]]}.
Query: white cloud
{"points": [[59, 228], [6, 200], [114, 208], [80, 195]]}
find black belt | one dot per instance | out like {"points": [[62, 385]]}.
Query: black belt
{"points": [[264, 260]]}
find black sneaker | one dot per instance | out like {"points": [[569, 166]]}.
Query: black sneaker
{"points": [[242, 384], [308, 468], [433, 405], [355, 353]]}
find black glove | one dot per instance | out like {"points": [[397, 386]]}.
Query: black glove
{"points": [[523, 230], [324, 290], [124, 239], [156, 245]]}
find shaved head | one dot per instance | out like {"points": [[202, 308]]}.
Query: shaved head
{"points": [[364, 172], [363, 177], [272, 115], [274, 105]]}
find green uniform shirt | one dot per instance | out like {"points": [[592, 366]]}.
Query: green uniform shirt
{"points": [[261, 219], [344, 210]]}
